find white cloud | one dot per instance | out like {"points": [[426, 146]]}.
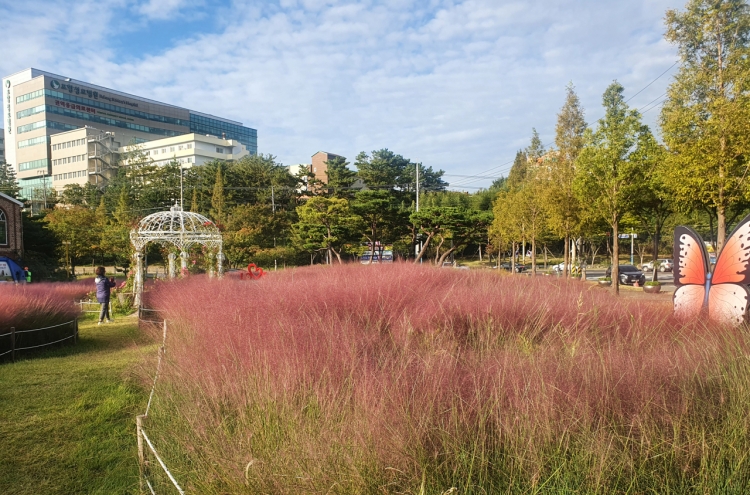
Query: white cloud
{"points": [[165, 9], [456, 85]]}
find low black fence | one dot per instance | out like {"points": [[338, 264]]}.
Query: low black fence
{"points": [[16, 341]]}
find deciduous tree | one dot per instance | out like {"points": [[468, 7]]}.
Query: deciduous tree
{"points": [[609, 169], [704, 120]]}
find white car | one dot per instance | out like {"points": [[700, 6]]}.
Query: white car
{"points": [[560, 267], [665, 265]]}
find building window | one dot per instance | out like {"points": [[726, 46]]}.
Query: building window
{"points": [[179, 147], [3, 229], [171, 149], [189, 146], [220, 150]]}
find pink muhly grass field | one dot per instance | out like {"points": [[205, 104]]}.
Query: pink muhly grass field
{"points": [[401, 378], [26, 306]]}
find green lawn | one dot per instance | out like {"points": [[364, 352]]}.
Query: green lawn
{"points": [[67, 416]]}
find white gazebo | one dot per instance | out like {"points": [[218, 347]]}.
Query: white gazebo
{"points": [[183, 229]]}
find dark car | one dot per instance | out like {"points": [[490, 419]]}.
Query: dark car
{"points": [[629, 275], [519, 267]]}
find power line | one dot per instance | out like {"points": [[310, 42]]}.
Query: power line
{"points": [[649, 103], [652, 82], [493, 169], [655, 106], [469, 180]]}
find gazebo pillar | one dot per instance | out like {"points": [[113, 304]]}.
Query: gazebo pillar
{"points": [[138, 278], [210, 264], [172, 268], [183, 262], [220, 263]]}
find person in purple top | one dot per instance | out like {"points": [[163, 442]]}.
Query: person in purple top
{"points": [[103, 285]]}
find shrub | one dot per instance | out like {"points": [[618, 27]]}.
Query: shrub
{"points": [[401, 378], [652, 283]]}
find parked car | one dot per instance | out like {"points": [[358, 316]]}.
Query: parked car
{"points": [[519, 267], [629, 275], [664, 265]]}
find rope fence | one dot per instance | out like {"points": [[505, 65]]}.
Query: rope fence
{"points": [[95, 303], [146, 476], [14, 348]]}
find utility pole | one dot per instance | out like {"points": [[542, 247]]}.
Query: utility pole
{"points": [[182, 206], [417, 166], [419, 249], [632, 236]]}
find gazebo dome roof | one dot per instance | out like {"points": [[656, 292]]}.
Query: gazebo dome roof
{"points": [[178, 227]]}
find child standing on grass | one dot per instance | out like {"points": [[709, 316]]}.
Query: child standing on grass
{"points": [[102, 293]]}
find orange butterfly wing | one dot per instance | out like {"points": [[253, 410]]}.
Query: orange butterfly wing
{"points": [[690, 258], [733, 263]]}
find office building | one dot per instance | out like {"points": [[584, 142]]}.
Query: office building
{"points": [[91, 155], [2, 145], [320, 165], [190, 149], [38, 105]]}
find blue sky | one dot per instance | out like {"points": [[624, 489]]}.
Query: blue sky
{"points": [[457, 85]]}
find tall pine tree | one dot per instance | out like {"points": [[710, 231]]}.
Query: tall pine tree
{"points": [[562, 203], [8, 182]]}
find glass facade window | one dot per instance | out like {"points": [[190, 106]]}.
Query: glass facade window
{"points": [[34, 187], [45, 123], [68, 101], [33, 141], [31, 127], [34, 164], [200, 124], [29, 111], [59, 125], [110, 122], [30, 96]]}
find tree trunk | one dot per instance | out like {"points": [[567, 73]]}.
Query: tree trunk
{"points": [[480, 253], [533, 256], [338, 255], [712, 240], [721, 228], [615, 258], [545, 256], [566, 256], [424, 249], [513, 259], [594, 250], [437, 250], [445, 255]]}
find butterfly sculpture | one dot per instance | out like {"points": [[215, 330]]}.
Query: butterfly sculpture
{"points": [[721, 292]]}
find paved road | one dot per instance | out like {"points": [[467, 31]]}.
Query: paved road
{"points": [[666, 279]]}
